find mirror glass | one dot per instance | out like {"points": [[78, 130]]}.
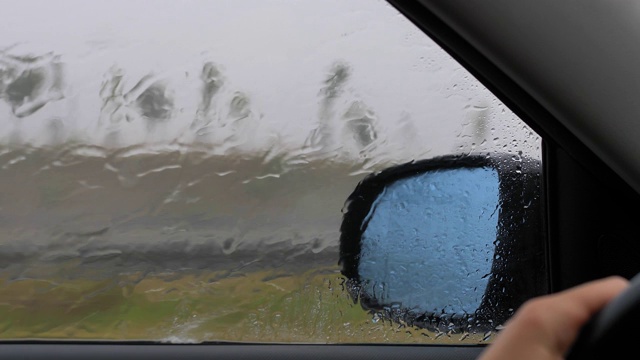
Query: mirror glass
{"points": [[429, 241]]}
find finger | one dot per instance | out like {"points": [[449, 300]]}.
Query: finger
{"points": [[545, 327], [569, 310], [593, 296]]}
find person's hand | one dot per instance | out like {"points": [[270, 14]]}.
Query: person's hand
{"points": [[544, 328]]}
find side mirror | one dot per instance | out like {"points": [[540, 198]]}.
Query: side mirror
{"points": [[453, 243]]}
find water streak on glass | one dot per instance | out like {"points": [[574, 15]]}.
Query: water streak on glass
{"points": [[176, 174]]}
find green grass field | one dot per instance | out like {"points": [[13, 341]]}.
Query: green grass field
{"points": [[256, 307]]}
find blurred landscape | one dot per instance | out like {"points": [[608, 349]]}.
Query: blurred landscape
{"points": [[134, 209], [193, 192], [177, 246]]}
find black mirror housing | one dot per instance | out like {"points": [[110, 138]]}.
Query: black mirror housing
{"points": [[476, 249]]}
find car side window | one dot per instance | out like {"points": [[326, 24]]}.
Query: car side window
{"points": [[181, 173]]}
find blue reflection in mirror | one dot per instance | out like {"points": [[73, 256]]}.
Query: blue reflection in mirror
{"points": [[430, 239]]}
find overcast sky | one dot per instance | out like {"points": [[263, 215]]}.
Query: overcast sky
{"points": [[276, 52]]}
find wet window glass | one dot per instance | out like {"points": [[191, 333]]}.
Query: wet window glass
{"points": [[178, 172]]}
